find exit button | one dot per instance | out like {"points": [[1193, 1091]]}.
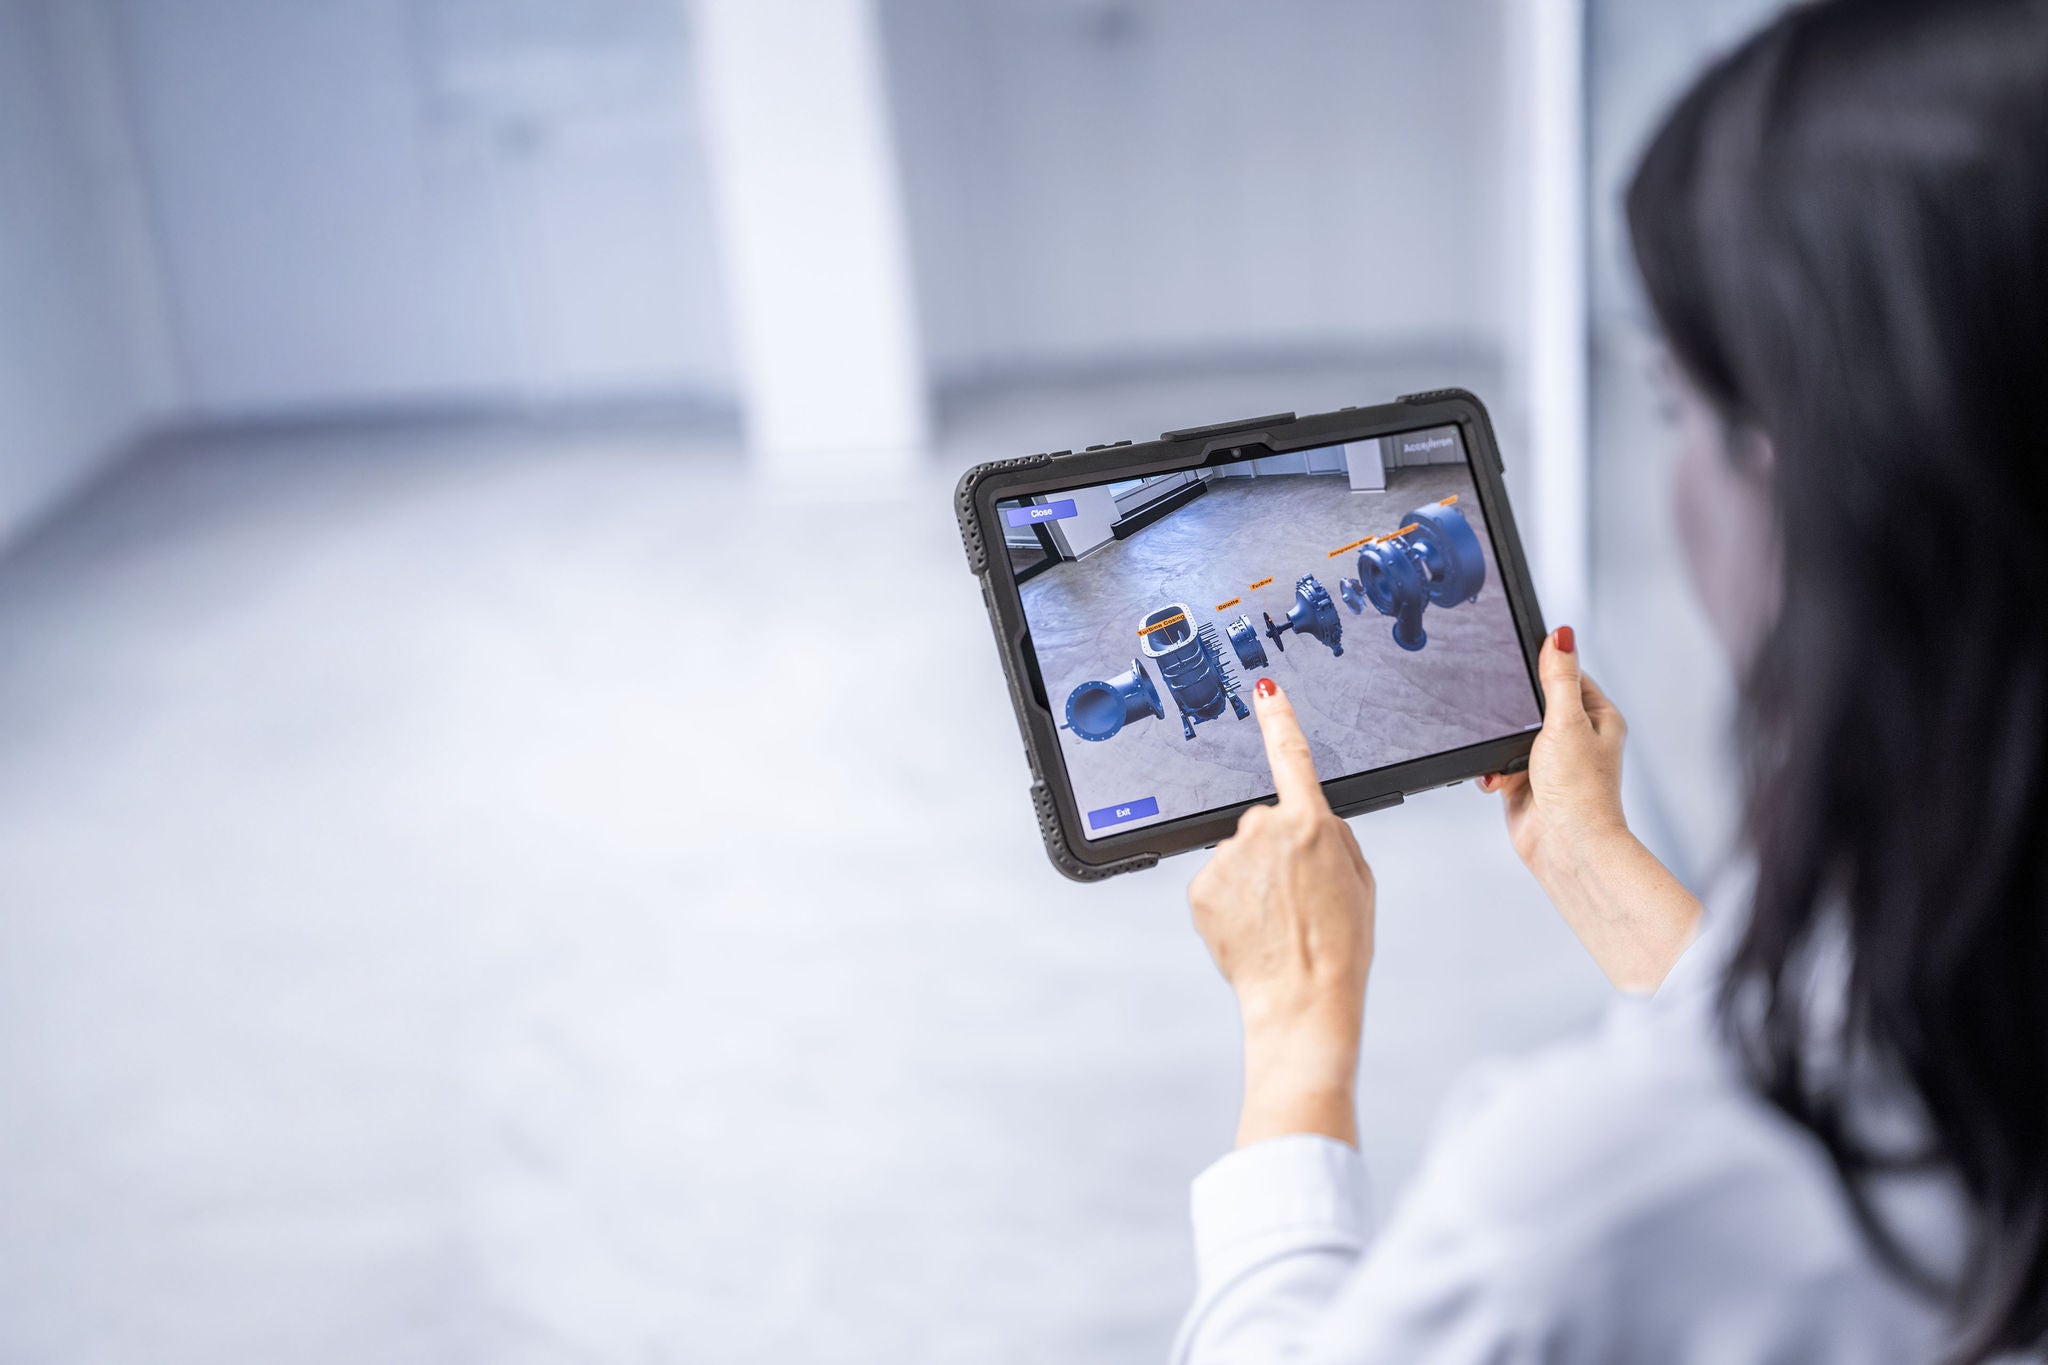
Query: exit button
{"points": [[1117, 815]]}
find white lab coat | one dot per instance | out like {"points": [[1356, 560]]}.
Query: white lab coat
{"points": [[1619, 1197]]}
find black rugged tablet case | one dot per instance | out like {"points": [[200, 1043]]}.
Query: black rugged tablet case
{"points": [[974, 504]]}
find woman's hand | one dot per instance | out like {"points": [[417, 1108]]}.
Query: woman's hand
{"points": [[1286, 907], [1570, 798], [1564, 818]]}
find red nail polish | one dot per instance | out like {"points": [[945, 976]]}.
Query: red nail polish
{"points": [[1265, 687], [1564, 639]]}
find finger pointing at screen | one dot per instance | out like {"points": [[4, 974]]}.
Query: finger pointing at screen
{"points": [[1286, 907], [1294, 768]]}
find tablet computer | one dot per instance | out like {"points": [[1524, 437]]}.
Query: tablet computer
{"points": [[1367, 558]]}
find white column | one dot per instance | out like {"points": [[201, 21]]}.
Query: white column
{"points": [[812, 234], [1366, 463], [1548, 39]]}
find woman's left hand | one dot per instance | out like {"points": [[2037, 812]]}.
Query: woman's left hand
{"points": [[1286, 907]]}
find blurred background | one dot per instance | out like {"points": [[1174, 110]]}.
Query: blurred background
{"points": [[513, 846]]}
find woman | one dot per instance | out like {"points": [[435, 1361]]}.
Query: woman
{"points": [[1823, 1134]]}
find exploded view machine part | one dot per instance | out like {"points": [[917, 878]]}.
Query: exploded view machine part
{"points": [[1434, 557], [1244, 639], [1190, 660], [1313, 613], [1098, 709]]}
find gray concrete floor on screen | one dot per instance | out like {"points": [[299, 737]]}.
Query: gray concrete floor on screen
{"points": [[531, 895], [1373, 705]]}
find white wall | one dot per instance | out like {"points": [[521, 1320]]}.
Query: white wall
{"points": [[1647, 636], [1436, 445], [1096, 180], [84, 360], [1337, 459], [365, 202]]}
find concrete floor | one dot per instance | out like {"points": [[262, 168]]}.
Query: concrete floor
{"points": [[481, 894], [1374, 705]]}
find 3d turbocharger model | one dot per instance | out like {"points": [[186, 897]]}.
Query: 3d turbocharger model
{"points": [[1244, 638], [1312, 614], [1434, 557], [1190, 659], [1097, 710]]}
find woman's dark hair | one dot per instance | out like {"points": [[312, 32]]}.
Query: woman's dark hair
{"points": [[1843, 232]]}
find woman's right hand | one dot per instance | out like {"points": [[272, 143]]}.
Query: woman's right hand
{"points": [[1570, 797], [1565, 820]]}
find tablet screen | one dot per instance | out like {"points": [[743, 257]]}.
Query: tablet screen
{"points": [[1361, 576]]}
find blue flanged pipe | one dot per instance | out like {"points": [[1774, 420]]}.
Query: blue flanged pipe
{"points": [[1098, 709]]}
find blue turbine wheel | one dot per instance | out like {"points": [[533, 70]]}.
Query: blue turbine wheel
{"points": [[1448, 550], [1396, 586], [1098, 709]]}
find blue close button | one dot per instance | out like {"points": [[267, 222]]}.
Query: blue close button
{"points": [[1050, 511], [1116, 815]]}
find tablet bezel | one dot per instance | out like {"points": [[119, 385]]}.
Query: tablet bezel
{"points": [[1060, 819]]}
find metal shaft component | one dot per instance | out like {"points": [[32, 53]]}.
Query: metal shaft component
{"points": [[1312, 614]]}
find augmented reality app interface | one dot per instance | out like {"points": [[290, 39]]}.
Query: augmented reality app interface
{"points": [[1361, 576]]}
